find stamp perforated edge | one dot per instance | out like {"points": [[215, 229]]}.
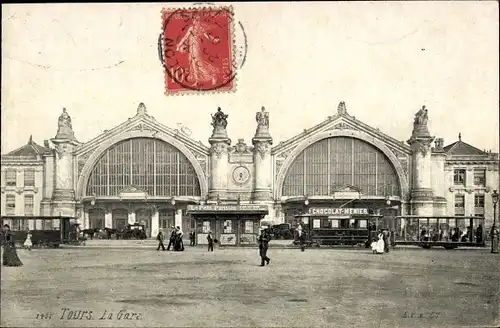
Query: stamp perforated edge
{"points": [[187, 92]]}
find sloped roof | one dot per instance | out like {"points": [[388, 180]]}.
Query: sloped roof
{"points": [[30, 149], [460, 148]]}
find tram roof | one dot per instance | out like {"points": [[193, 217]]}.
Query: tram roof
{"points": [[438, 217], [23, 217], [352, 216]]}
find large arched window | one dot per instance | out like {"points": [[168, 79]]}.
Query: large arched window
{"points": [[149, 164], [337, 162]]}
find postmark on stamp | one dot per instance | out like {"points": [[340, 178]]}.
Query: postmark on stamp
{"points": [[198, 50]]}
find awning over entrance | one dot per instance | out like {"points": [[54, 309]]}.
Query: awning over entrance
{"points": [[228, 209]]}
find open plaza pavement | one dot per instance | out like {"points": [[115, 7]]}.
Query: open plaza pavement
{"points": [[140, 287]]}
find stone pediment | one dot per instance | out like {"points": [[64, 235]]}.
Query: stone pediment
{"points": [[145, 125], [341, 124]]}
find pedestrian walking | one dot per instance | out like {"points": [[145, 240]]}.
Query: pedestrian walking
{"points": [[264, 239], [173, 235], [9, 256], [210, 240], [28, 243], [160, 239], [192, 238], [178, 244], [385, 234]]}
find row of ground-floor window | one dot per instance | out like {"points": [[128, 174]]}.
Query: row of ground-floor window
{"points": [[228, 230], [97, 218]]}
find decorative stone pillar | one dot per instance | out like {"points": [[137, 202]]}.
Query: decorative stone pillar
{"points": [[48, 184], [155, 223], [178, 218], [262, 142], [422, 196], [438, 182], [218, 156], [63, 197], [86, 218], [108, 218], [131, 216]]}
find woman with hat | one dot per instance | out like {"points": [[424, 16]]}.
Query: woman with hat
{"points": [[9, 257]]}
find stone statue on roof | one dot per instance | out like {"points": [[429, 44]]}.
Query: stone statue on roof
{"points": [[64, 126], [219, 122], [262, 119], [219, 119], [420, 123]]}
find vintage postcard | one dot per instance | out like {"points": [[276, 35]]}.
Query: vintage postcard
{"points": [[294, 164]]}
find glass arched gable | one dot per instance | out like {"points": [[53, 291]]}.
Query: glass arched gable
{"points": [[337, 162], [149, 164]]}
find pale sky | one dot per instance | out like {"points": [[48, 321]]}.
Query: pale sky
{"points": [[303, 59]]}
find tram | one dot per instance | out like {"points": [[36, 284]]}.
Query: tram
{"points": [[441, 231], [352, 230], [46, 231]]}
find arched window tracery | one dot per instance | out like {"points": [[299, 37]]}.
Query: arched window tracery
{"points": [[148, 164], [337, 162]]}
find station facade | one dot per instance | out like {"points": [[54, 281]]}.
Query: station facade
{"points": [[143, 171]]}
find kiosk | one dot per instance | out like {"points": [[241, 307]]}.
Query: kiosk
{"points": [[232, 225]]}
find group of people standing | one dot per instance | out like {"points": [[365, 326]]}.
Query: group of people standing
{"points": [[381, 245], [175, 240]]}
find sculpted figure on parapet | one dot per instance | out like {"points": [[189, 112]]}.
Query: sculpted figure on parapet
{"points": [[262, 118], [421, 117], [64, 121], [64, 126], [219, 119], [420, 123]]}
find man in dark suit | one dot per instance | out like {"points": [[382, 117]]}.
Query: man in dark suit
{"points": [[264, 239], [160, 239], [173, 235]]}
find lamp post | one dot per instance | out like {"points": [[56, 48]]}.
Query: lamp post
{"points": [[494, 231]]}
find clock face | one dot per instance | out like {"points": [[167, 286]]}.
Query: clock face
{"points": [[241, 175]]}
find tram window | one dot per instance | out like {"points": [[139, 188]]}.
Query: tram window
{"points": [[46, 224], [344, 224], [7, 222], [362, 224], [305, 220], [25, 225], [325, 224], [16, 224], [335, 223], [316, 223]]}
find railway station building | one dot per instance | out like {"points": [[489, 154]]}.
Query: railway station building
{"points": [[143, 171]]}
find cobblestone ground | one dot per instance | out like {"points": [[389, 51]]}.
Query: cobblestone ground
{"points": [[335, 288]]}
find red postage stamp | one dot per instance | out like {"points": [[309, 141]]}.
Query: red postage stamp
{"points": [[198, 50]]}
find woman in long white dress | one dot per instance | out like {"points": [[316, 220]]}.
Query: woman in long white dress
{"points": [[379, 249]]}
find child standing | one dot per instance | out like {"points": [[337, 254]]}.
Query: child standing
{"points": [[27, 243]]}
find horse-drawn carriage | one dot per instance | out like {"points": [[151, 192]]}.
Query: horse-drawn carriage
{"points": [[131, 231], [134, 231]]}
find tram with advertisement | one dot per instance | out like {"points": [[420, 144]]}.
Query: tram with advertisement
{"points": [[440, 231], [340, 226], [46, 231]]}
